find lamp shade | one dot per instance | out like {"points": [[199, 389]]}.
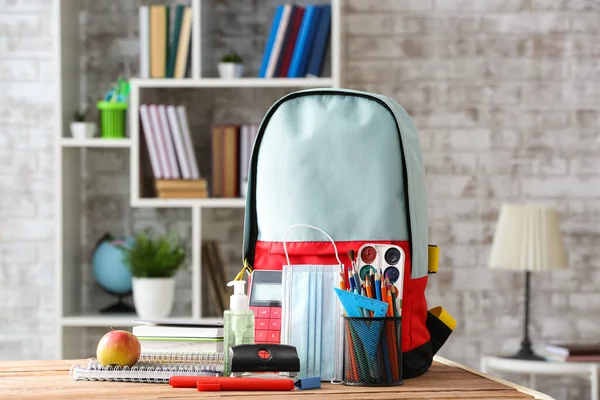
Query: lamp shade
{"points": [[528, 238]]}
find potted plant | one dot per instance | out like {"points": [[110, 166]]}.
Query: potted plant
{"points": [[153, 262], [80, 128], [231, 66]]}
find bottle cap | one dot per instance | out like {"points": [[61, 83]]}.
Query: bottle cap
{"points": [[239, 300]]}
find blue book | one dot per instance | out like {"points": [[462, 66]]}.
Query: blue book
{"points": [[304, 42], [270, 41], [174, 40], [320, 44]]}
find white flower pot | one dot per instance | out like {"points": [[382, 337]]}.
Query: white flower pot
{"points": [[230, 70], [83, 130], [153, 297]]}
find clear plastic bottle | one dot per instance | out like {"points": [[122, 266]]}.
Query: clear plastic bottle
{"points": [[238, 323]]}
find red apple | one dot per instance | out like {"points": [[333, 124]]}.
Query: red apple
{"points": [[118, 348]]}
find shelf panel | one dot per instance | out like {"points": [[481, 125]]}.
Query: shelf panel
{"points": [[116, 320], [232, 83], [182, 203], [95, 142]]}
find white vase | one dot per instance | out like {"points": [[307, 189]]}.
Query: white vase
{"points": [[83, 130], [153, 297], [230, 70]]}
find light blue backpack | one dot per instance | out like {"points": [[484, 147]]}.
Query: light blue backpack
{"points": [[350, 163]]}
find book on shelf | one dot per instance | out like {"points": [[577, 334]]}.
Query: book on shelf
{"points": [[231, 151], [297, 41], [168, 140], [215, 280], [165, 39]]}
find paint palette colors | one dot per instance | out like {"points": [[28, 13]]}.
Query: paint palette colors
{"points": [[385, 257]]}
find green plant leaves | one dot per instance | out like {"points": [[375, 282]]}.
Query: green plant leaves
{"points": [[154, 257]]}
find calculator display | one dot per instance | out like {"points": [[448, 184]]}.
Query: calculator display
{"points": [[267, 292]]}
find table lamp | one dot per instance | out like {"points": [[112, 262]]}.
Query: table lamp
{"points": [[527, 239]]}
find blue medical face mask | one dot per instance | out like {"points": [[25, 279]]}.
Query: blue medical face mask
{"points": [[311, 317]]}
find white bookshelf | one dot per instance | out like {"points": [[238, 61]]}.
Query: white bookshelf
{"points": [[71, 322], [95, 142], [232, 83]]}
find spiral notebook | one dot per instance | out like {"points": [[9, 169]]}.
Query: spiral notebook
{"points": [[152, 368]]}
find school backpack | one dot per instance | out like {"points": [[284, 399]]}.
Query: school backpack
{"points": [[350, 163]]}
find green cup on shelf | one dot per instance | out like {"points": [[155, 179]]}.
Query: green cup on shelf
{"points": [[113, 119]]}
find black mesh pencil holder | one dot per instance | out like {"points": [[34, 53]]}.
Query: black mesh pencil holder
{"points": [[373, 351]]}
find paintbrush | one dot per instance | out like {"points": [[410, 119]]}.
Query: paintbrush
{"points": [[351, 255]]}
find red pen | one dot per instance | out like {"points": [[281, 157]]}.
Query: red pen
{"points": [[208, 384], [184, 381]]}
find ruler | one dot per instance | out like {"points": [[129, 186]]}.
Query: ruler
{"points": [[353, 302]]}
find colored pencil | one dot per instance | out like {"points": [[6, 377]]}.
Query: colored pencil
{"points": [[361, 357], [353, 370], [386, 355], [372, 279], [383, 293], [369, 292], [342, 282], [377, 286], [392, 349], [390, 311], [394, 302]]}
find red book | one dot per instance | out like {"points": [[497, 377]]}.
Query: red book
{"points": [[290, 44]]}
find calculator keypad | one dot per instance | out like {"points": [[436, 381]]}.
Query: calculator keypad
{"points": [[267, 324]]}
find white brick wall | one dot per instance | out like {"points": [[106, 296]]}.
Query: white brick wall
{"points": [[27, 94], [503, 94]]}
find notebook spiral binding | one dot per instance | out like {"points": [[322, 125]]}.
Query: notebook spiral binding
{"points": [[166, 357], [141, 372]]}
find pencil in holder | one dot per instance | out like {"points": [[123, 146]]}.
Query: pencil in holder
{"points": [[112, 119], [373, 351]]}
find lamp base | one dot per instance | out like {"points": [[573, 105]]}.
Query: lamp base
{"points": [[525, 354]]}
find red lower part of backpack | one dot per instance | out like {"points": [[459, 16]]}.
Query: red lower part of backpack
{"points": [[416, 346]]}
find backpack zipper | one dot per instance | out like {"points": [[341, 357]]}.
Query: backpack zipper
{"points": [[253, 225]]}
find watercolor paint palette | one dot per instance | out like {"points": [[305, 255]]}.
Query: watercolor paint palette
{"points": [[382, 257]]}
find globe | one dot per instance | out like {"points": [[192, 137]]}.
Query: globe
{"points": [[110, 271]]}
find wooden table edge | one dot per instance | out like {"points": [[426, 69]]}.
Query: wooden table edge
{"points": [[522, 389]]}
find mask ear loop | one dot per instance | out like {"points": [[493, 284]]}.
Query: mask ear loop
{"points": [[287, 257]]}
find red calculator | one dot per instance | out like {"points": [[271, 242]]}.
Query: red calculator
{"points": [[265, 301]]}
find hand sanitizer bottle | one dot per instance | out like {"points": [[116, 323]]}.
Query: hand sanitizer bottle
{"points": [[238, 324]]}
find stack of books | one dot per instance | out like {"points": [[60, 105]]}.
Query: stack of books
{"points": [[172, 157], [169, 348], [573, 352], [165, 38], [169, 341], [231, 151], [297, 43]]}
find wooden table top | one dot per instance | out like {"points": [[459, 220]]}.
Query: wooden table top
{"points": [[50, 380]]}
